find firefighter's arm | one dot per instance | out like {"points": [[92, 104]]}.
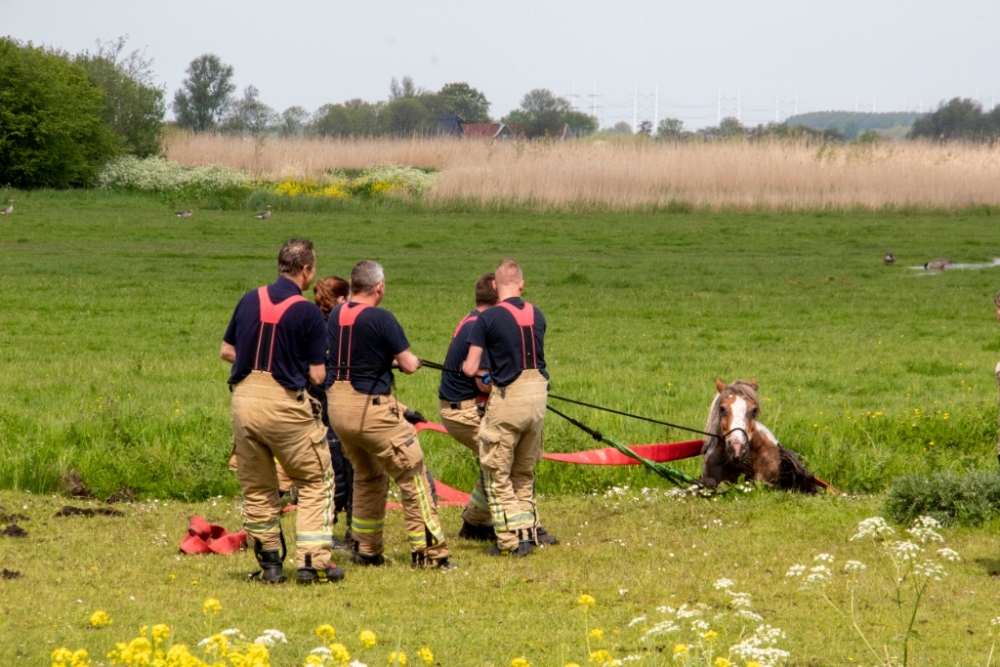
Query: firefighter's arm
{"points": [[484, 387], [228, 352], [471, 365], [317, 373], [407, 362]]}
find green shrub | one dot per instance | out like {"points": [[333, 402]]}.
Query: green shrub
{"points": [[51, 129], [966, 499]]}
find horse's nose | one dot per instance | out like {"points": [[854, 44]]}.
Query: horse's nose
{"points": [[737, 441]]}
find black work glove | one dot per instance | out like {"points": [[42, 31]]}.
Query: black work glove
{"points": [[413, 416]]}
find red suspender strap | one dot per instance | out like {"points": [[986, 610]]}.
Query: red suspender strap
{"points": [[525, 319], [468, 318], [270, 315], [346, 320]]}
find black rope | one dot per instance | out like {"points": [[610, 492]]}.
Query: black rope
{"points": [[628, 414], [596, 435], [443, 369]]}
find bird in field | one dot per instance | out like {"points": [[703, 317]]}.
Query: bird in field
{"points": [[263, 215], [185, 214], [889, 258], [9, 209], [938, 264]]}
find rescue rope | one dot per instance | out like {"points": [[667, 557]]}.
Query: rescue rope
{"points": [[668, 473], [634, 416]]}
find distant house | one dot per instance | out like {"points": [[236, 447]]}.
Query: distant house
{"points": [[484, 130], [446, 124], [518, 130]]}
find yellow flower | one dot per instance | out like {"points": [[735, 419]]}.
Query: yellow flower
{"points": [[602, 657], [397, 658], [722, 662], [572, 664], [367, 638], [313, 660], [339, 652], [160, 632], [597, 634], [519, 662], [100, 618], [710, 635], [586, 601], [680, 648], [754, 663], [218, 643], [426, 655], [63, 657], [211, 605], [326, 631]]}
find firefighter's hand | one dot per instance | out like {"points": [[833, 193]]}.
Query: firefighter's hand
{"points": [[413, 416], [317, 407]]}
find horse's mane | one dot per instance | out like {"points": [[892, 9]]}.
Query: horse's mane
{"points": [[742, 388]]}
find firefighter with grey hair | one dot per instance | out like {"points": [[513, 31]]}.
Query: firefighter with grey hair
{"points": [[364, 344], [276, 342]]}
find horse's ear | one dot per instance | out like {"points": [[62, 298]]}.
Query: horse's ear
{"points": [[719, 385], [753, 381]]}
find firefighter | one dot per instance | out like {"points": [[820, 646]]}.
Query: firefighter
{"points": [[512, 336], [463, 403], [364, 342], [276, 343]]}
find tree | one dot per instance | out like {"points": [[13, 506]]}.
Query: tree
{"points": [[645, 128], [204, 96], [404, 117], [330, 120], [621, 128], [461, 99], [580, 124], [958, 119], [398, 91], [249, 115], [731, 127], [52, 132], [133, 103], [541, 114], [670, 129], [293, 121]]}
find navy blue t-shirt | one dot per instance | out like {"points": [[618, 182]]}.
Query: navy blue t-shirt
{"points": [[497, 332], [457, 386], [377, 338], [299, 337]]}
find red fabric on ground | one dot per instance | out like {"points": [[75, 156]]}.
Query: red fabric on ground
{"points": [[204, 538]]}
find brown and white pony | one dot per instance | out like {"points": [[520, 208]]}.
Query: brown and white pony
{"points": [[746, 447]]}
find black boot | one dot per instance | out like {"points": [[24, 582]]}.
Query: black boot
{"points": [[359, 558], [477, 533], [270, 567], [338, 545], [524, 548], [544, 538], [310, 575]]}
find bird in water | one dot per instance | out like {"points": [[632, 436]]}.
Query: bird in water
{"points": [[185, 214], [263, 215], [9, 209], [938, 264], [889, 258]]}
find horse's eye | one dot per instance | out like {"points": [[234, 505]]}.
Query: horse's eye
{"points": [[755, 412], [723, 411]]}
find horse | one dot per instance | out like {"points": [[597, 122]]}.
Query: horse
{"points": [[744, 446]]}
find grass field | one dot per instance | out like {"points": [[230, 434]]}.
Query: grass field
{"points": [[114, 309]]}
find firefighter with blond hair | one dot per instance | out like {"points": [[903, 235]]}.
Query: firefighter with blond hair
{"points": [[512, 336]]}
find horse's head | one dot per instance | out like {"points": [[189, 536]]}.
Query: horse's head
{"points": [[734, 414]]}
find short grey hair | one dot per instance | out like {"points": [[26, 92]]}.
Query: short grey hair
{"points": [[365, 277]]}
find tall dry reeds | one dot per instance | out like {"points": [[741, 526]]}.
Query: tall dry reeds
{"points": [[630, 174]]}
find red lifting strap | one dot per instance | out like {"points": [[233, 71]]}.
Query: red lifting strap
{"points": [[270, 315], [525, 319], [346, 320]]}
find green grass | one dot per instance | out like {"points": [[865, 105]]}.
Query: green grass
{"points": [[489, 612], [114, 309]]}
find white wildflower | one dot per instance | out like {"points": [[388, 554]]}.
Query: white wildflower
{"points": [[760, 646], [264, 640], [699, 625], [722, 584], [637, 619], [357, 663], [684, 612], [232, 632], [825, 558], [796, 571], [931, 570], [873, 528], [320, 650], [854, 566], [739, 600], [949, 555], [661, 628], [904, 550], [995, 621], [746, 613]]}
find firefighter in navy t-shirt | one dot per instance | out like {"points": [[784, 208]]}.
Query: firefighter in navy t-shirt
{"points": [[512, 335], [363, 342], [276, 343]]}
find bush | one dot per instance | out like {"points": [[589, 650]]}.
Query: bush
{"points": [[51, 129], [171, 180], [949, 497]]}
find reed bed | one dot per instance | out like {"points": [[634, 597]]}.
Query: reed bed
{"points": [[636, 173]]}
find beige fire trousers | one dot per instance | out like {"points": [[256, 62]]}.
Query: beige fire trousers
{"points": [[510, 444], [381, 444], [462, 423], [271, 422]]}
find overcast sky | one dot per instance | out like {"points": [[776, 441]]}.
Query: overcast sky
{"points": [[767, 53]]}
